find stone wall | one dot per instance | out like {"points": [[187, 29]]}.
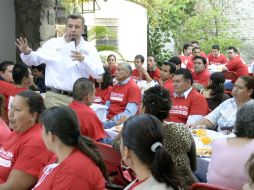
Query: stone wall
{"points": [[35, 20], [241, 16]]}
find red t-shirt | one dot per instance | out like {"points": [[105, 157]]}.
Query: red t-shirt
{"points": [[194, 104], [102, 95], [121, 95], [185, 60], [221, 59], [155, 75], [25, 152], [90, 125], [169, 85], [136, 76], [77, 172], [237, 65], [4, 131], [6, 89], [202, 77]]}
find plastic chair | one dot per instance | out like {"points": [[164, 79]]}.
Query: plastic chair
{"points": [[233, 76], [112, 160], [230, 75], [206, 186]]}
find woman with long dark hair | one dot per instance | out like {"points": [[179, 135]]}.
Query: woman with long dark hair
{"points": [[214, 93], [77, 164], [103, 87], [143, 151]]}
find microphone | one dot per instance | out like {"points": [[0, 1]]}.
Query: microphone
{"points": [[74, 40]]}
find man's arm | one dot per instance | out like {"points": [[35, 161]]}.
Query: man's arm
{"points": [[130, 110]]}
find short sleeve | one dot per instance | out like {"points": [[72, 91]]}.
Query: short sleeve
{"points": [[134, 96], [214, 115], [31, 159], [199, 106]]}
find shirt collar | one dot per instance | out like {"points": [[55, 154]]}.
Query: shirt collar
{"points": [[125, 81], [185, 94]]}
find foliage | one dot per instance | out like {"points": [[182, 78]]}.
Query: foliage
{"points": [[185, 21]]}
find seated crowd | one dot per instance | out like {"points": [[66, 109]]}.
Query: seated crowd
{"points": [[54, 148]]}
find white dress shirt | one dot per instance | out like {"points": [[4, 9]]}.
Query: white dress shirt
{"points": [[59, 74]]}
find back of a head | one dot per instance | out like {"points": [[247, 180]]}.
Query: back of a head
{"points": [[156, 101], [5, 64], [81, 88], [34, 101], [20, 71], [62, 121], [244, 124], [176, 60], [217, 78], [143, 135], [185, 73]]}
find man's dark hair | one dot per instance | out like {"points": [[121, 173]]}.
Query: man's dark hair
{"points": [[200, 57], [5, 64], [76, 16], [141, 57], [154, 58], [216, 47], [171, 65], [186, 74], [233, 48], [176, 60], [186, 46], [19, 72], [81, 88]]}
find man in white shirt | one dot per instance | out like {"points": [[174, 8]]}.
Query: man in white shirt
{"points": [[64, 67]]}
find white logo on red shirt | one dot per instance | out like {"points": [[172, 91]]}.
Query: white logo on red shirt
{"points": [[116, 96]]}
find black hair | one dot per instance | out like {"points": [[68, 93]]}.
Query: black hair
{"points": [[249, 83], [2, 103], [216, 47], [76, 16], [63, 122], [186, 46], [34, 101], [81, 88], [233, 48], [217, 85], [202, 58], [156, 101], [141, 57], [107, 79], [139, 133], [196, 48], [171, 65], [19, 72], [40, 68], [176, 60], [154, 58], [186, 74], [111, 55], [5, 64]]}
